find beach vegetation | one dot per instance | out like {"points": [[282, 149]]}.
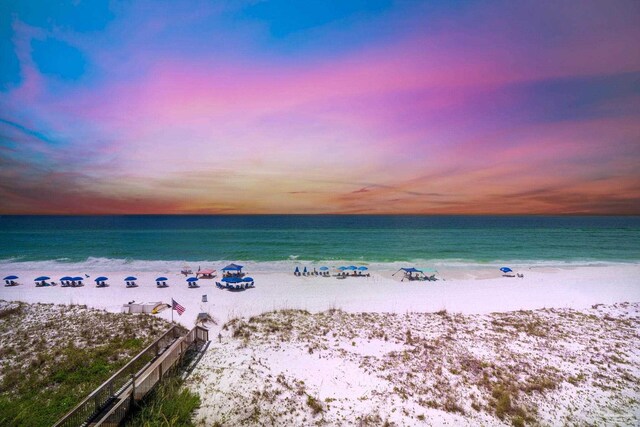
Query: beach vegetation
{"points": [[315, 405], [45, 371], [169, 404]]}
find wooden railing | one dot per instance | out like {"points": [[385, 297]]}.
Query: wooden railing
{"points": [[110, 402]]}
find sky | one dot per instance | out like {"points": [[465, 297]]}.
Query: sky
{"points": [[320, 107]]}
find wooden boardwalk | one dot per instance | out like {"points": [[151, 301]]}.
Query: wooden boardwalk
{"points": [[109, 404]]}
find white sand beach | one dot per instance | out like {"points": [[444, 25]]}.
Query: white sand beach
{"points": [[576, 359], [469, 291]]}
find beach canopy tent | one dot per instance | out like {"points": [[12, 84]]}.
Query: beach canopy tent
{"points": [[324, 269], [41, 278], [130, 278], [231, 280], [101, 279], [192, 279], [161, 279], [506, 270], [232, 267], [408, 270], [363, 268], [248, 279], [10, 278]]}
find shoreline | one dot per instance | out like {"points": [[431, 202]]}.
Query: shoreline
{"points": [[468, 291]]}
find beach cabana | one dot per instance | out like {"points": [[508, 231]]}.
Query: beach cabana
{"points": [[192, 282], [101, 282], [42, 281], [233, 270], [10, 280], [206, 274], [233, 283], [161, 282], [130, 281]]}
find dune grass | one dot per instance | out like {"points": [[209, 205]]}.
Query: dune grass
{"points": [[170, 404], [53, 356]]}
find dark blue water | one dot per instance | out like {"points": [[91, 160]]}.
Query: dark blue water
{"points": [[319, 237]]}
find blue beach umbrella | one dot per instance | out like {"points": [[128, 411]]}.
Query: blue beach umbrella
{"points": [[342, 268], [192, 279], [130, 278], [161, 279], [66, 278], [10, 278], [38, 279], [506, 270], [304, 270], [363, 268], [77, 278], [231, 279], [323, 268], [101, 278], [352, 268], [297, 270], [248, 279]]}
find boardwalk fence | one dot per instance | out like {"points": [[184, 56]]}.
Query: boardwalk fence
{"points": [[109, 403]]}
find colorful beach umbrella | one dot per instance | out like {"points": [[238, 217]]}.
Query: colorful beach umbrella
{"points": [[38, 279], [10, 278], [506, 270]]}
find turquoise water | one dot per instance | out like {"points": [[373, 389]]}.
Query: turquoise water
{"points": [[366, 239]]}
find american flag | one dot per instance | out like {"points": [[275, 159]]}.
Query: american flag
{"points": [[177, 307]]}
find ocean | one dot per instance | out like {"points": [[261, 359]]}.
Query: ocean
{"points": [[141, 242]]}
